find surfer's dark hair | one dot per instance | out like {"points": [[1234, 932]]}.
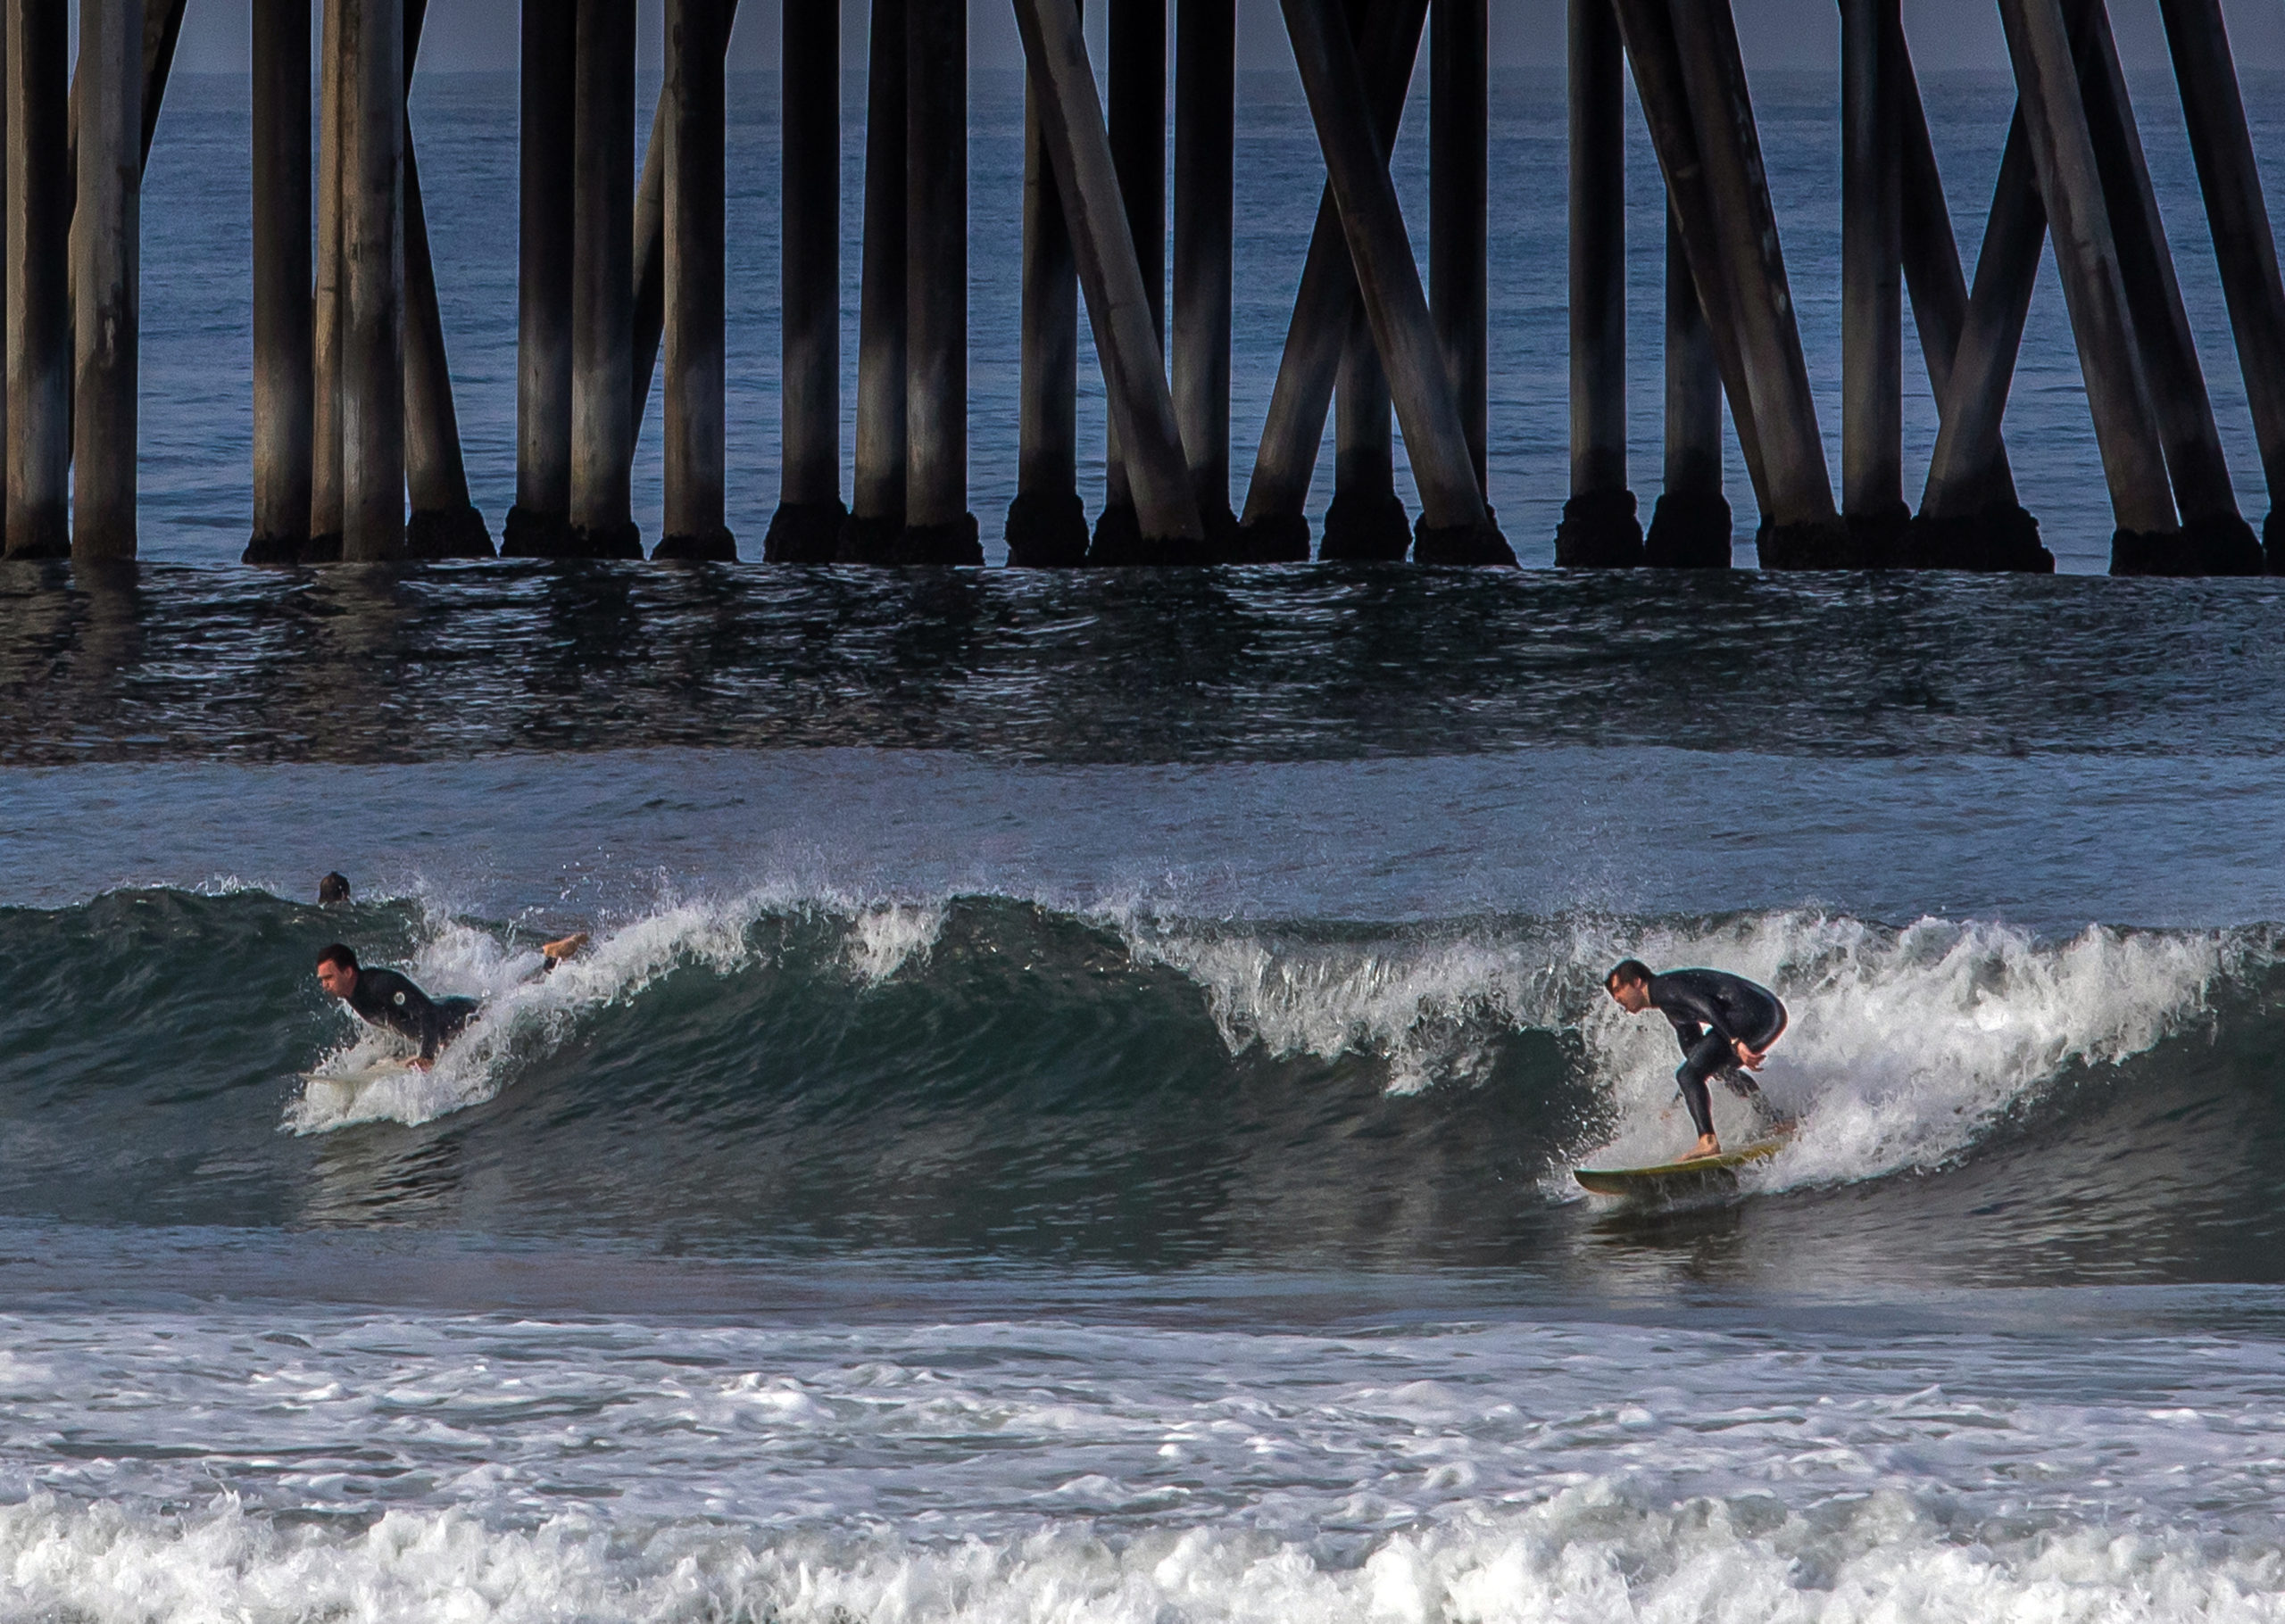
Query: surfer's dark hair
{"points": [[337, 954], [334, 888], [1624, 970]]}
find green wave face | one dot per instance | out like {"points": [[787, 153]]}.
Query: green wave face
{"points": [[984, 1077]]}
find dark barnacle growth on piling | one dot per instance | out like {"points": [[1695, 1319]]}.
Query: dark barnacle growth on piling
{"points": [[447, 533], [1689, 532], [1046, 530], [1600, 531], [1461, 543], [800, 532], [2001, 537], [1366, 526], [2223, 544], [1275, 538], [956, 542]]}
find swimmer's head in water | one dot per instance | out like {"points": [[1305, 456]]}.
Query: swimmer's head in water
{"points": [[334, 888], [1629, 982], [337, 970]]}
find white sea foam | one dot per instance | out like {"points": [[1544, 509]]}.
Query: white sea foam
{"points": [[1587, 1555], [383, 1468]]}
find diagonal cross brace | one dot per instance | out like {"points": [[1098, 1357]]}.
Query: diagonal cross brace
{"points": [[1119, 308]]}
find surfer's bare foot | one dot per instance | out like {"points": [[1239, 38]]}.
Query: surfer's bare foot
{"points": [[1708, 1145]]}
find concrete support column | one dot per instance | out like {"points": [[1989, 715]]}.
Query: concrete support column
{"points": [[1455, 529], [938, 527], [329, 311], [1460, 136], [1047, 524], [697, 465], [651, 240], [39, 334], [876, 496], [1969, 516], [1274, 528], [444, 523], [602, 284], [1205, 156], [1801, 529], [106, 275], [1600, 526], [372, 250], [1119, 303], [1136, 120], [1872, 256], [2243, 244], [282, 314], [1690, 528], [539, 524], [806, 528], [2070, 181], [1656, 59], [2217, 540], [1365, 521]]}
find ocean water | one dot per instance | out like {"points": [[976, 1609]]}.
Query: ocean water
{"points": [[1067, 1115], [196, 431]]}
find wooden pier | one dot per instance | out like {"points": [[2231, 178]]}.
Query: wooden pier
{"points": [[357, 444]]}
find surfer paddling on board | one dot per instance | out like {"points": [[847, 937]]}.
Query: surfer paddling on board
{"points": [[1723, 1021], [386, 1000]]}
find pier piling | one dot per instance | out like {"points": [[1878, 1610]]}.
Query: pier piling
{"points": [[372, 339], [39, 337], [938, 527], [1047, 524], [1600, 528], [1135, 119], [1872, 253], [106, 277], [2244, 247], [1690, 528], [1459, 180], [2215, 538], [1454, 527], [878, 493], [1077, 141], [602, 284], [1801, 528], [2070, 182], [539, 523], [807, 526], [329, 311], [1365, 521], [1274, 528], [1205, 158], [283, 402]]}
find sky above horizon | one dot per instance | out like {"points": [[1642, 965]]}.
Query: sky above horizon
{"points": [[480, 35]]}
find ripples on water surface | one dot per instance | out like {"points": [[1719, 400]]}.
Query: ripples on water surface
{"points": [[355, 665]]}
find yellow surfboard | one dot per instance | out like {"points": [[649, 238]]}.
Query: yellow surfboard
{"points": [[1706, 1174]]}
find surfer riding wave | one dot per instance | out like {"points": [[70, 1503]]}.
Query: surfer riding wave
{"points": [[391, 1001], [1723, 1023]]}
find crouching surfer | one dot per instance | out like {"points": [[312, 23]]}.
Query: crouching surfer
{"points": [[389, 1000], [1723, 1021]]}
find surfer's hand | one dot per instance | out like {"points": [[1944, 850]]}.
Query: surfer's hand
{"points": [[1746, 1056]]}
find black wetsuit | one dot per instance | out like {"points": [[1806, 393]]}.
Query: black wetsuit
{"points": [[1710, 1010], [385, 998]]}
